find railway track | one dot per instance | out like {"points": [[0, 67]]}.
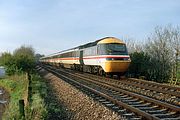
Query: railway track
{"points": [[154, 90], [129, 104]]}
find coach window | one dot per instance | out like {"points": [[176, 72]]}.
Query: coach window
{"points": [[101, 49]]}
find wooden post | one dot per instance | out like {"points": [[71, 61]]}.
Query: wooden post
{"points": [[21, 108], [29, 94]]}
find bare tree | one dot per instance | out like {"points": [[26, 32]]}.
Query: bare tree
{"points": [[174, 38], [160, 54], [25, 50], [159, 48], [133, 45]]}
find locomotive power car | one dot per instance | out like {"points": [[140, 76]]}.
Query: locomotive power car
{"points": [[108, 55]]}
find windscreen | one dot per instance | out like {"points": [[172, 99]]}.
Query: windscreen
{"points": [[112, 49]]}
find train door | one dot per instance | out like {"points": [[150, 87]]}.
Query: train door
{"points": [[76, 56], [97, 53], [81, 57]]}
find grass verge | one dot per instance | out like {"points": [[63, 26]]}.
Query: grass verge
{"points": [[37, 109], [42, 102], [16, 85]]}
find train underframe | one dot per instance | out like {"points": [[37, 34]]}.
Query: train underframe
{"points": [[97, 70]]}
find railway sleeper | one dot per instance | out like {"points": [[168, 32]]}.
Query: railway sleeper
{"points": [[177, 118], [115, 107], [115, 93], [157, 111], [98, 98], [91, 94], [166, 115], [141, 105], [125, 97], [135, 102], [106, 102], [136, 118], [128, 114], [110, 104], [146, 108], [121, 94], [102, 100], [122, 111], [119, 98]]}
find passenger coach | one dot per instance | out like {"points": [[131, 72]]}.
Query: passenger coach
{"points": [[105, 56]]}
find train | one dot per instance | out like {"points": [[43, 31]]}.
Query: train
{"points": [[106, 56]]}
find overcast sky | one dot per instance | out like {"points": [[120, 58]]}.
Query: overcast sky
{"points": [[54, 25]]}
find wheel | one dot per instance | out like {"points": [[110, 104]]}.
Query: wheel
{"points": [[101, 72]]}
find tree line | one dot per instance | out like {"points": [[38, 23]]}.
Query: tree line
{"points": [[22, 60], [158, 58]]}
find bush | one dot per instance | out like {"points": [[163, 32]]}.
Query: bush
{"points": [[22, 60]]}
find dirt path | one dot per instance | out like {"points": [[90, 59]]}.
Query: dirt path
{"points": [[78, 105], [4, 98]]}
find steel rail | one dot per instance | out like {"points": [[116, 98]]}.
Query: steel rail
{"points": [[156, 84], [126, 82], [168, 106], [165, 89], [114, 101], [157, 102]]}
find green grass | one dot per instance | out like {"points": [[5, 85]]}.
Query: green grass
{"points": [[37, 109], [17, 87], [42, 103]]}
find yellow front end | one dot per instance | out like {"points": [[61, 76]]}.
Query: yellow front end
{"points": [[116, 66]]}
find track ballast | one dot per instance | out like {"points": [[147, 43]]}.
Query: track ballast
{"points": [[130, 104]]}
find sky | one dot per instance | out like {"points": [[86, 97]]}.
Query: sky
{"points": [[51, 26]]}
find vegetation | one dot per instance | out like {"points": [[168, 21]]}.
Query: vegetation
{"points": [[22, 82], [43, 103], [22, 60], [140, 63], [19, 68], [7, 60], [157, 59], [16, 85], [37, 108]]}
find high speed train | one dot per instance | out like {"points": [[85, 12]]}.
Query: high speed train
{"points": [[108, 55]]}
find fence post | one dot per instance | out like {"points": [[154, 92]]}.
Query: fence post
{"points": [[21, 108]]}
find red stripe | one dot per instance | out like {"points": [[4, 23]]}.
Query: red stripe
{"points": [[100, 57], [105, 57]]}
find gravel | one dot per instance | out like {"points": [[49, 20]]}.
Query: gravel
{"points": [[80, 106]]}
